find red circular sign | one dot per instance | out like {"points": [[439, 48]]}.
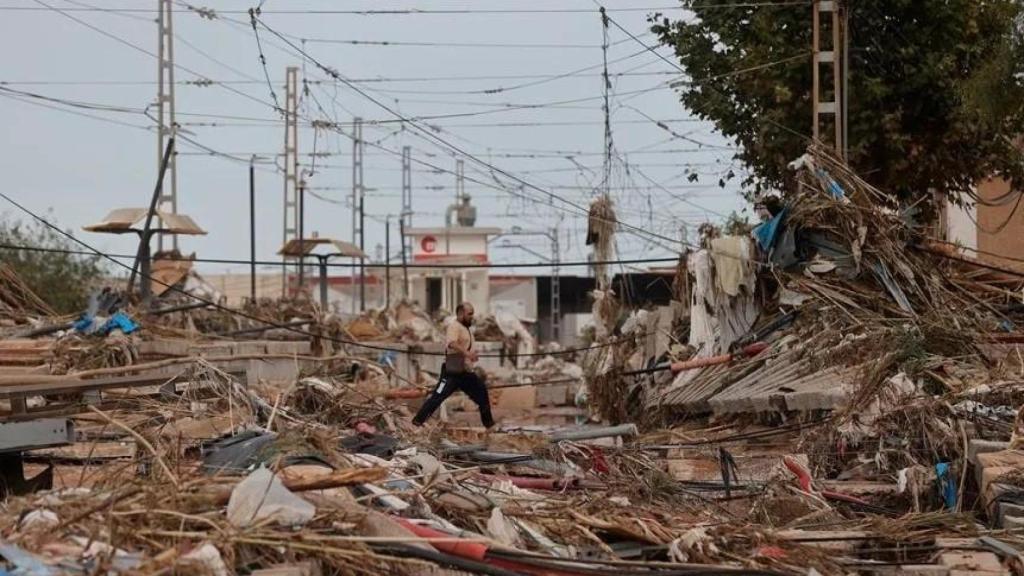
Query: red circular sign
{"points": [[428, 244]]}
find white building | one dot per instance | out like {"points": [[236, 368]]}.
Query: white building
{"points": [[457, 248]]}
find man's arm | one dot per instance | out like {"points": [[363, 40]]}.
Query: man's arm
{"points": [[460, 349]]}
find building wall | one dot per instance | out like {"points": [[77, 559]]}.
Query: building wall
{"points": [[1009, 241], [433, 244], [236, 287], [958, 224], [518, 295], [476, 289]]}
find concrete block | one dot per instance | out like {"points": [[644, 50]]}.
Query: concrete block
{"points": [[1006, 459], [1012, 523], [1006, 510], [1002, 458], [248, 348], [519, 398], [990, 475], [555, 395], [164, 348], [206, 350], [994, 491], [977, 446], [971, 560], [299, 348]]}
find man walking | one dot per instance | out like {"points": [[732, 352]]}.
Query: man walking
{"points": [[457, 372]]}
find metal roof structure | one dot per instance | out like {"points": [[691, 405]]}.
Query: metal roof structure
{"points": [[298, 247], [122, 220]]}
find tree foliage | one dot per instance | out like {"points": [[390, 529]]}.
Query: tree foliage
{"points": [[936, 89], [64, 281]]}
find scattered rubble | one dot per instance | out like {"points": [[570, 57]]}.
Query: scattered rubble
{"points": [[833, 393]]}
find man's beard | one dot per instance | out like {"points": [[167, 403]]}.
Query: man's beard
{"points": [[465, 322]]}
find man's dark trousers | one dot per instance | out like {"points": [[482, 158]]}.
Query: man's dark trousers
{"points": [[447, 384]]}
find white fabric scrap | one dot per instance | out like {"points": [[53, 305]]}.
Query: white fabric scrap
{"points": [[41, 519], [262, 497], [499, 528]]}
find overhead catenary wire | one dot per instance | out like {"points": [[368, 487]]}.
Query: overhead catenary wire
{"points": [[242, 314], [682, 70], [206, 150], [278, 263], [372, 80], [65, 12], [449, 11], [429, 135], [510, 176], [53, 104]]}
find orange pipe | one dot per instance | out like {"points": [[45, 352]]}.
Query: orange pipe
{"points": [[461, 548], [751, 350], [477, 551]]}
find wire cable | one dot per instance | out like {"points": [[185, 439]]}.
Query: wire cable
{"points": [[430, 135], [270, 323], [458, 11], [680, 68], [422, 266]]}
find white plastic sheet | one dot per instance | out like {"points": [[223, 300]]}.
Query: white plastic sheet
{"points": [[262, 497]]}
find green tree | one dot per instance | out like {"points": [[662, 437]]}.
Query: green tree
{"points": [[935, 88], [62, 280]]}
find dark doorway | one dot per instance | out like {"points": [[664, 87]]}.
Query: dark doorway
{"points": [[433, 295]]}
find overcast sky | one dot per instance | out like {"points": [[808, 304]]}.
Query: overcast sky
{"points": [[80, 167]]}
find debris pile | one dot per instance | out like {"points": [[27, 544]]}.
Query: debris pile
{"points": [[833, 393]]}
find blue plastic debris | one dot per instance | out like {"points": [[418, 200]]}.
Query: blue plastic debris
{"points": [[947, 487], [84, 324], [833, 187], [87, 324], [766, 232], [25, 563], [119, 321]]}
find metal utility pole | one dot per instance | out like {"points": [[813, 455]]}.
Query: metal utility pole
{"points": [[406, 216], [460, 181], [302, 234], [834, 58], [142, 257], [362, 249], [405, 261], [166, 124], [387, 262], [358, 193], [845, 32], [556, 288], [291, 164], [252, 229]]}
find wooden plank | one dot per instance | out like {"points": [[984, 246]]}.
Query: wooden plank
{"points": [[85, 451], [65, 385], [750, 468]]}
